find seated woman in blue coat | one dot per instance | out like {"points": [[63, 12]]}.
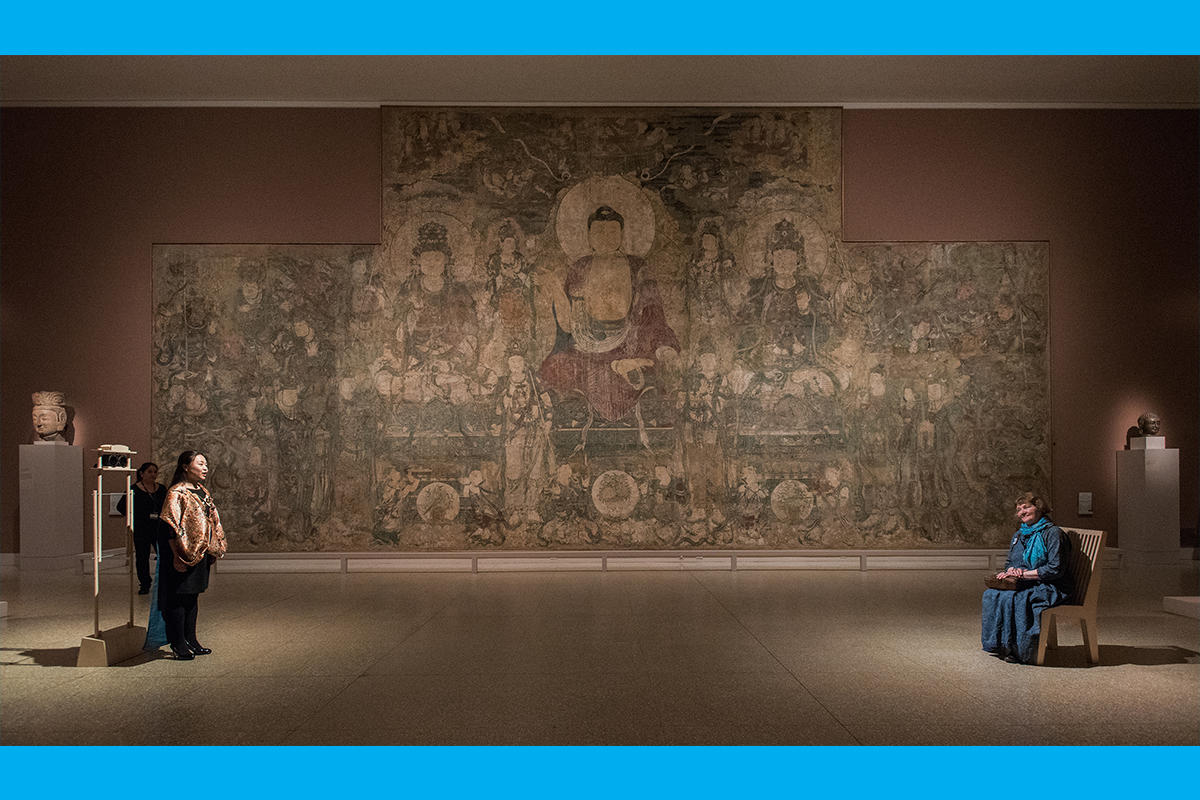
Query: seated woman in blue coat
{"points": [[1038, 558]]}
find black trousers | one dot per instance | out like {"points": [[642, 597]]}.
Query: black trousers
{"points": [[179, 614], [142, 545]]}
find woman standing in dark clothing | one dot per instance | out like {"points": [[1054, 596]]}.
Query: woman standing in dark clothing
{"points": [[148, 496], [1037, 558], [192, 535]]}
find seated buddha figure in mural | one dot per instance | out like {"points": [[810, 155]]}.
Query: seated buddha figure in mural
{"points": [[439, 320], [612, 332]]}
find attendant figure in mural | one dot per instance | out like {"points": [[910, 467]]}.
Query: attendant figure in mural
{"points": [[525, 419], [612, 332], [785, 327], [751, 497], [1037, 558], [566, 506], [708, 308], [49, 418], [191, 532], [703, 411], [439, 321], [148, 497], [392, 512], [949, 480], [510, 285], [909, 453]]}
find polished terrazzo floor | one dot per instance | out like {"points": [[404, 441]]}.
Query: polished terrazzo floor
{"points": [[780, 657]]}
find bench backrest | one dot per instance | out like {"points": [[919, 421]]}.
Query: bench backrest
{"points": [[1086, 565]]}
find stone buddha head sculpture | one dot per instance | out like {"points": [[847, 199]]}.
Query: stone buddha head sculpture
{"points": [[49, 417]]}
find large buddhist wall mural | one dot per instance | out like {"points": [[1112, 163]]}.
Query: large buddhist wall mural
{"points": [[607, 329]]}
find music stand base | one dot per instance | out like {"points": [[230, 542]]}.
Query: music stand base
{"points": [[112, 646]]}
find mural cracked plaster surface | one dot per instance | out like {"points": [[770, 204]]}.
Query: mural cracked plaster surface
{"points": [[608, 329]]}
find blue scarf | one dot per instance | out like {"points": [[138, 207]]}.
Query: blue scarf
{"points": [[1035, 542]]}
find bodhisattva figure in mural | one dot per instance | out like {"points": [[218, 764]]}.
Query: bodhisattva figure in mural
{"points": [[785, 327], [439, 323], [49, 418], [612, 332], [525, 418], [1149, 424]]}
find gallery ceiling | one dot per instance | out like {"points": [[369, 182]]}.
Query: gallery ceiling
{"points": [[853, 81]]}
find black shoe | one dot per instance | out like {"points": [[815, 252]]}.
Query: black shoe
{"points": [[144, 590], [183, 654], [198, 649]]}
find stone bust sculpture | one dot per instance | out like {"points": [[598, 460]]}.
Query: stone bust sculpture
{"points": [[49, 417], [1149, 424]]}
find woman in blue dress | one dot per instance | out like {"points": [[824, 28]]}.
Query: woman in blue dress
{"points": [[1037, 558]]}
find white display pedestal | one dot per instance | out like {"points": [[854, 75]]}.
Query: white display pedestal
{"points": [[1183, 606], [51, 505], [1148, 505]]}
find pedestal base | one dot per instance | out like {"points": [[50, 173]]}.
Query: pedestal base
{"points": [[1183, 606], [44, 563], [1148, 506], [1151, 558], [51, 497], [112, 647]]}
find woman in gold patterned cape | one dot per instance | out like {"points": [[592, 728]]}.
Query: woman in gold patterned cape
{"points": [[193, 535]]}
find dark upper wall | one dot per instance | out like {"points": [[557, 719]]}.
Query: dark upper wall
{"points": [[1115, 193], [85, 192]]}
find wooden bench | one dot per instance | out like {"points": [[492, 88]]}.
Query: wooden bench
{"points": [[1084, 570]]}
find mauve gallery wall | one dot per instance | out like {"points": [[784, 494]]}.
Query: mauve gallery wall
{"points": [[84, 193]]}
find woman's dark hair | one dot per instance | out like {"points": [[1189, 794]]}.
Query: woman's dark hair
{"points": [[1035, 500], [185, 458], [142, 469]]}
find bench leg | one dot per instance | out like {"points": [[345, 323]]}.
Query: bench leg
{"points": [[1050, 629], [1089, 639], [1045, 636]]}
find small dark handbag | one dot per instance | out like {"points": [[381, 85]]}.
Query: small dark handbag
{"points": [[1007, 584]]}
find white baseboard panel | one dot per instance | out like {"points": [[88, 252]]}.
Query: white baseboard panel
{"points": [[931, 561], [667, 562], [799, 562], [279, 565], [540, 564], [461, 564]]}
